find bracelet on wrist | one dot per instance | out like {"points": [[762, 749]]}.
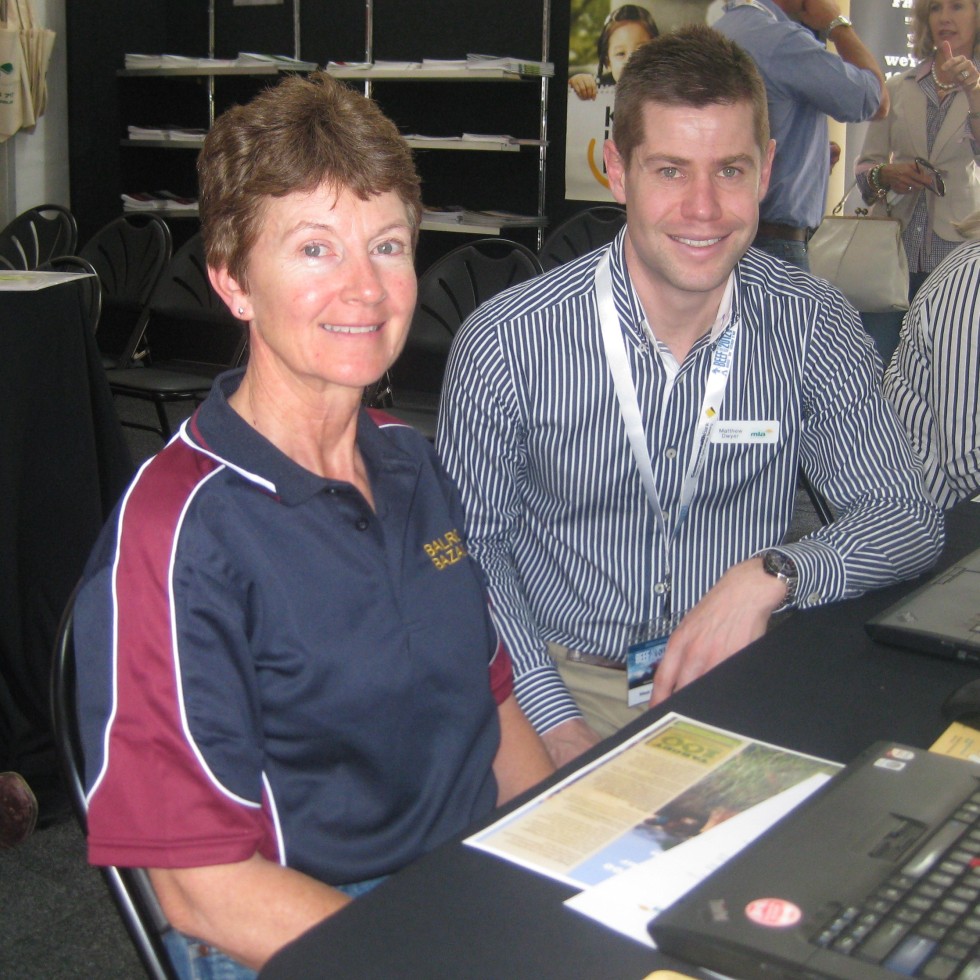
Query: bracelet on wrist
{"points": [[874, 179]]}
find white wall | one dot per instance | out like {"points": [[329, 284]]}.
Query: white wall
{"points": [[34, 163]]}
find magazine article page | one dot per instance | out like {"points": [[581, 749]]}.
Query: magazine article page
{"points": [[670, 783]]}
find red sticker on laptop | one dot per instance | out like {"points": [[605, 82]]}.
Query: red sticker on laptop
{"points": [[776, 913]]}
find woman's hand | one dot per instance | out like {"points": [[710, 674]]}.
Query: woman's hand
{"points": [[904, 178], [959, 68]]}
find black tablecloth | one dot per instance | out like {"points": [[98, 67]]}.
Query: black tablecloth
{"points": [[63, 464], [815, 683]]}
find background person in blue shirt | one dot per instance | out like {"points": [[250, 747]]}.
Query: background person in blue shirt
{"points": [[805, 83], [289, 684]]}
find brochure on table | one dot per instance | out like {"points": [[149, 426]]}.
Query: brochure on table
{"points": [[671, 782], [643, 823]]}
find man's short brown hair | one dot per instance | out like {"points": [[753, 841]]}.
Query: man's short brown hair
{"points": [[694, 66], [296, 136]]}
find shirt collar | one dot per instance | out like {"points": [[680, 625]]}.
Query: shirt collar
{"points": [[217, 429], [766, 6], [630, 310]]}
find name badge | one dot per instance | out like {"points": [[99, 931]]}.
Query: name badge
{"points": [[643, 655], [739, 432]]}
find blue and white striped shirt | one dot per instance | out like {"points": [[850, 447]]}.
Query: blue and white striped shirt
{"points": [[556, 512], [934, 378]]}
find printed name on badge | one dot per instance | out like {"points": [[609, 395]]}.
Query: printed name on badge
{"points": [[743, 432]]}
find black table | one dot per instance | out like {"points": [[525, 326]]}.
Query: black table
{"points": [[815, 683], [63, 464]]}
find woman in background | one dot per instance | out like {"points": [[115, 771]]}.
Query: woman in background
{"points": [[922, 157]]}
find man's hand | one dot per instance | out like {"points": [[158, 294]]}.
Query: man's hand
{"points": [[569, 740], [731, 615]]}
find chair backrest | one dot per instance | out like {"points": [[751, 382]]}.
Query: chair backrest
{"points": [[188, 325], [449, 291], [129, 254], [581, 233], [130, 887], [37, 235], [89, 289]]}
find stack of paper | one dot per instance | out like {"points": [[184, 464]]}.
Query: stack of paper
{"points": [[282, 61], [176, 133], [520, 66], [157, 201]]}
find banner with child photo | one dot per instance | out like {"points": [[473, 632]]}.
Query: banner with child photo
{"points": [[602, 36]]}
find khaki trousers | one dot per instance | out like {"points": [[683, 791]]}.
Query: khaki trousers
{"points": [[600, 692]]}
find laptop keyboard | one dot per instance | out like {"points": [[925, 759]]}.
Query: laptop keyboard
{"points": [[924, 921]]}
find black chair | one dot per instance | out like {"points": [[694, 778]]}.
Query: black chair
{"points": [[90, 288], [449, 291], [581, 233], [37, 235], [129, 254], [130, 887], [190, 338]]}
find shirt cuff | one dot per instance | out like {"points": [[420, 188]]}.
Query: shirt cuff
{"points": [[545, 700], [822, 576]]}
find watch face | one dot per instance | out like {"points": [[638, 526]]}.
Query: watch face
{"points": [[776, 564]]}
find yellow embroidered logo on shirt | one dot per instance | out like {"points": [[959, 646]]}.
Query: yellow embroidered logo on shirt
{"points": [[447, 550]]}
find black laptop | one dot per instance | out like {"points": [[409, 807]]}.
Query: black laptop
{"points": [[876, 875], [942, 617]]}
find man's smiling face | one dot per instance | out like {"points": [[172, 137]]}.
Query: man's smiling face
{"points": [[692, 190]]}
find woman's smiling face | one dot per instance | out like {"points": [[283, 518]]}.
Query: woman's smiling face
{"points": [[331, 286], [954, 21]]}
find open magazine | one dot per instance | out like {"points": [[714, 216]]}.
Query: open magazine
{"points": [[670, 783]]}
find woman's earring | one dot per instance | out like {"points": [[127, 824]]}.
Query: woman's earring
{"points": [[241, 311]]}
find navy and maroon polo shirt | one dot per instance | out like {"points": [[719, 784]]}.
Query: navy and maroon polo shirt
{"points": [[267, 664]]}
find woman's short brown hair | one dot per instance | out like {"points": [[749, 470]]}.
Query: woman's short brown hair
{"points": [[693, 66], [923, 43], [295, 136]]}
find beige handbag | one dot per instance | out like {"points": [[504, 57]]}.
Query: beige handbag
{"points": [[863, 256]]}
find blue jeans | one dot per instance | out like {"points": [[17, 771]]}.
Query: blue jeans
{"points": [[194, 959], [792, 252]]}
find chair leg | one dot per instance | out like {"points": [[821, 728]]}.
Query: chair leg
{"points": [[165, 429]]}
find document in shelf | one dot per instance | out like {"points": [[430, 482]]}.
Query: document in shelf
{"points": [[628, 901], [282, 61], [671, 782], [521, 66]]}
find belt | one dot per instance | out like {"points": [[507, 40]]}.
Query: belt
{"points": [[593, 660], [784, 232]]}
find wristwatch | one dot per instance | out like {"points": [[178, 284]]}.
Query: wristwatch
{"points": [[780, 566], [839, 21]]}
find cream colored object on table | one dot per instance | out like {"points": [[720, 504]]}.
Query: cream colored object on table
{"points": [[25, 50]]}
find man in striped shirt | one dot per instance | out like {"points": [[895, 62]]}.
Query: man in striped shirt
{"points": [[933, 378], [626, 431]]}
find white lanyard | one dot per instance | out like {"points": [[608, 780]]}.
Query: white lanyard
{"points": [[629, 406]]}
